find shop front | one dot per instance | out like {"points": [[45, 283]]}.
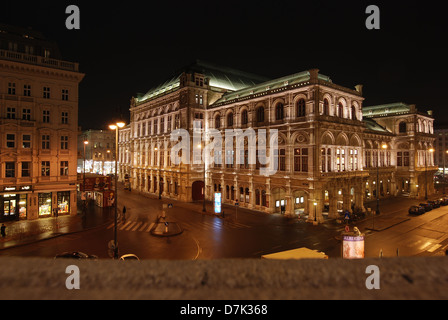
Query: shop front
{"points": [[49, 208], [13, 203]]}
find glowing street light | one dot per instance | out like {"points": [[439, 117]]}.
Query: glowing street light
{"points": [[116, 127], [199, 146]]}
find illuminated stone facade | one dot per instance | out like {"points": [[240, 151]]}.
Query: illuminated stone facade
{"points": [[332, 151], [38, 127]]}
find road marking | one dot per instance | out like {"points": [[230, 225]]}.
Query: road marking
{"points": [[130, 226], [434, 248], [125, 225], [150, 227], [143, 227], [137, 226]]}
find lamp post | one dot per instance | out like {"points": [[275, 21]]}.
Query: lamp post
{"points": [[84, 176], [157, 160], [116, 127], [203, 200], [443, 172], [431, 150], [383, 146]]}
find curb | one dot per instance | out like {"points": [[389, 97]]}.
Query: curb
{"points": [[156, 230]]}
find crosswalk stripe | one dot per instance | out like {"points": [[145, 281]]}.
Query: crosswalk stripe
{"points": [[150, 227], [143, 227], [136, 226], [125, 225], [130, 226], [207, 225]]}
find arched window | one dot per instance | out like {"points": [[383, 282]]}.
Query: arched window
{"points": [[217, 122], [354, 113], [244, 117], [340, 110], [260, 114], [279, 111], [301, 108], [230, 119], [402, 127], [326, 111]]}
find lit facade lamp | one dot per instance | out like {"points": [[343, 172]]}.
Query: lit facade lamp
{"points": [[116, 127], [203, 201], [431, 150], [384, 147], [84, 176], [157, 160], [443, 171]]}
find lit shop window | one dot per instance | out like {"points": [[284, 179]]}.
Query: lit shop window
{"points": [[44, 204], [63, 202]]}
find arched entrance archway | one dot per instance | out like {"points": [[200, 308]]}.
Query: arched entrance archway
{"points": [[197, 191]]}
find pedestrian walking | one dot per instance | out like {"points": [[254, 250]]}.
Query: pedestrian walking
{"points": [[124, 213], [3, 230]]}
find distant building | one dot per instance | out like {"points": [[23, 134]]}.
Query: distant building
{"points": [[100, 151], [441, 149], [38, 126], [333, 153]]}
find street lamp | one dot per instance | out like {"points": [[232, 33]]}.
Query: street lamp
{"points": [[443, 171], [84, 176], [384, 147], [203, 201], [431, 150], [116, 127], [157, 160]]}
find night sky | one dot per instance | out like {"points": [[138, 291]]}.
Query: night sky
{"points": [[127, 47]]}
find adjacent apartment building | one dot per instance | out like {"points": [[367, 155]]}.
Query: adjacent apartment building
{"points": [[333, 153], [38, 126]]}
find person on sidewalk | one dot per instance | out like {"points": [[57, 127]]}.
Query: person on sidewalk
{"points": [[3, 230]]}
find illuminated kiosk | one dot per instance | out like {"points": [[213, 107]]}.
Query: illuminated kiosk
{"points": [[352, 245]]}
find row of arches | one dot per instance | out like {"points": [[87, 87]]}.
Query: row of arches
{"points": [[279, 112]]}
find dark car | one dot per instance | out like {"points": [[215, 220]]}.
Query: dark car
{"points": [[444, 201], [416, 210], [434, 203], [427, 206], [76, 255]]}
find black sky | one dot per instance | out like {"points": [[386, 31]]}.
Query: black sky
{"points": [[128, 47]]}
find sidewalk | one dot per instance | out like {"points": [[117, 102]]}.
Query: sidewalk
{"points": [[28, 231]]}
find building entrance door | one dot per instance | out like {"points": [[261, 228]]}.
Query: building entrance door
{"points": [[9, 207], [197, 191]]}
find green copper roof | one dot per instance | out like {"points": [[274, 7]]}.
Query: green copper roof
{"points": [[271, 85], [218, 76], [386, 109]]}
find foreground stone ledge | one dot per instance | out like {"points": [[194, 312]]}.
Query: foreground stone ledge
{"points": [[400, 278]]}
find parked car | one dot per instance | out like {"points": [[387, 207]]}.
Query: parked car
{"points": [[434, 203], [129, 256], [417, 210], [444, 201], [76, 255], [427, 206]]}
